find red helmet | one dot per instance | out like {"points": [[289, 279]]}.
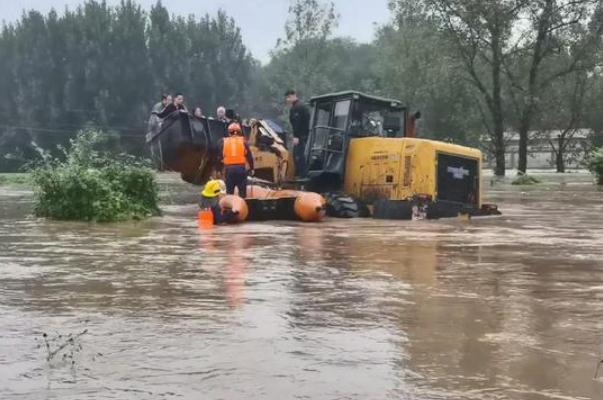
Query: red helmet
{"points": [[234, 129]]}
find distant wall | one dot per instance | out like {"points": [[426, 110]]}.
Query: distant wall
{"points": [[541, 154]]}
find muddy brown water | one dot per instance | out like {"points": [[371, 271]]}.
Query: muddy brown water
{"points": [[499, 308]]}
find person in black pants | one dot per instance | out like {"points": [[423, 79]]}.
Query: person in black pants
{"points": [[299, 117], [236, 154]]}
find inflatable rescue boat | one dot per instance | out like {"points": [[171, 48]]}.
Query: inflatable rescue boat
{"points": [[294, 205]]}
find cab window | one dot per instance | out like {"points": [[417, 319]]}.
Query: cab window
{"points": [[323, 114], [340, 116], [372, 119]]}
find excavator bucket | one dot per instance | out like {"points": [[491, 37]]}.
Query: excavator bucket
{"points": [[185, 144], [189, 145]]}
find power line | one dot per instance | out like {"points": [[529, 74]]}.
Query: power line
{"points": [[60, 132], [79, 126]]}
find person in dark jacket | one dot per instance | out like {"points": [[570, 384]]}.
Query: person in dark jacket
{"points": [[177, 104], [236, 154], [154, 121], [166, 99], [299, 117], [198, 112]]}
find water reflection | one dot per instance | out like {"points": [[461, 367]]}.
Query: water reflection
{"points": [[236, 268]]}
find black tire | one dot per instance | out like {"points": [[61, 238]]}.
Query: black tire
{"points": [[340, 205]]}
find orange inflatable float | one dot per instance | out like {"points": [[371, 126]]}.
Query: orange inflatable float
{"points": [[237, 205], [287, 204]]}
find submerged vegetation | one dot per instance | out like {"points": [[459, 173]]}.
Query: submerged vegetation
{"points": [[525, 179], [13, 179], [595, 164], [93, 185]]}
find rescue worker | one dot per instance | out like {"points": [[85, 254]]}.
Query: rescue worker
{"points": [[210, 200], [235, 155], [299, 117]]}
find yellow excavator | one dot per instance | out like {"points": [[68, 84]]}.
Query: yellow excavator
{"points": [[361, 154]]}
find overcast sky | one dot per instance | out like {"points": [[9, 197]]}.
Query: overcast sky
{"points": [[261, 21]]}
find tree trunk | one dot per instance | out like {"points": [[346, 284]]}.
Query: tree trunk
{"points": [[560, 161], [524, 128], [499, 146], [497, 107], [544, 24], [522, 163]]}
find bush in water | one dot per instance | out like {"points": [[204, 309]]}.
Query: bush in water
{"points": [[524, 179], [595, 164], [93, 186]]}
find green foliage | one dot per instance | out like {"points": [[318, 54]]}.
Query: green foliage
{"points": [[524, 180], [595, 164], [107, 65], [90, 185], [593, 106], [309, 60], [408, 69], [309, 20], [511, 52]]}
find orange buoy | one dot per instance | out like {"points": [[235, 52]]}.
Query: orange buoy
{"points": [[308, 206], [237, 205]]}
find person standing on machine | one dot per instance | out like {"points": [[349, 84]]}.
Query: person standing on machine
{"points": [[299, 117], [236, 155], [176, 105]]}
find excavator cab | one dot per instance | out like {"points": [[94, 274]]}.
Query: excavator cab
{"points": [[363, 154], [339, 117]]}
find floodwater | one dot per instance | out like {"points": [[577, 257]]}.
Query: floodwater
{"points": [[496, 308]]}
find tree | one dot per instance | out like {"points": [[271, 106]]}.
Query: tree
{"points": [[560, 38], [302, 57], [309, 20], [504, 46], [593, 117], [562, 116], [311, 61], [408, 70], [105, 66], [479, 32]]}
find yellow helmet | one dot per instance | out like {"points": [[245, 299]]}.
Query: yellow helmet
{"points": [[213, 188]]}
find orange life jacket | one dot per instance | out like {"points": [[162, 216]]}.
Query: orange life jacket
{"points": [[234, 151]]}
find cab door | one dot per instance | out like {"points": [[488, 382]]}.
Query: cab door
{"points": [[328, 145]]}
